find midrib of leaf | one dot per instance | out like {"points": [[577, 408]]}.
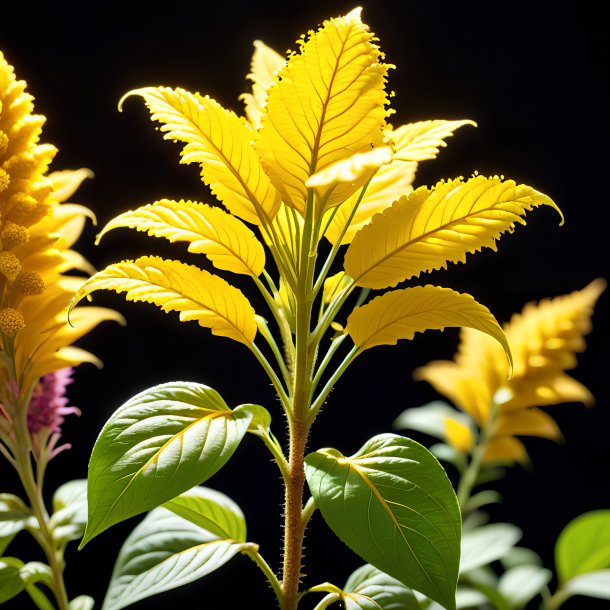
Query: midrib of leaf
{"points": [[424, 236], [154, 459], [390, 513], [329, 95]]}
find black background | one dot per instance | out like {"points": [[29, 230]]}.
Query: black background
{"points": [[534, 77]]}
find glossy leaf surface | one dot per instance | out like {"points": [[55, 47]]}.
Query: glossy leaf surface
{"points": [[326, 104], [158, 445], [400, 314], [393, 504], [223, 238], [220, 142], [430, 228], [521, 584], [69, 517], [593, 584], [163, 552], [175, 286]]}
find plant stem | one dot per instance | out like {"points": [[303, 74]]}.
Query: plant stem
{"points": [[33, 492], [252, 552], [556, 600], [469, 477]]}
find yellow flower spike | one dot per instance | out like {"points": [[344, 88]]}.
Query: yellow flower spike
{"points": [[3, 142]]}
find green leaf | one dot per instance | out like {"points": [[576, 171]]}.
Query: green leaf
{"points": [[39, 598], [592, 584], [519, 556], [82, 602], [69, 520], [584, 545], [482, 498], [393, 504], [212, 511], [14, 516], [385, 592], [11, 583], [465, 598], [163, 552], [159, 444], [430, 419], [261, 418], [34, 572], [486, 544], [521, 584]]}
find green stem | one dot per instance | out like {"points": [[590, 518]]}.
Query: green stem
{"points": [[556, 600], [334, 346], [469, 477], [307, 512], [276, 451], [319, 401], [277, 384], [252, 552], [33, 492]]}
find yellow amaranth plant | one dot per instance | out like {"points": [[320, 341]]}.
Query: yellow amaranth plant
{"points": [[544, 339]]}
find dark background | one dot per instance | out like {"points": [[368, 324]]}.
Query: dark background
{"points": [[534, 77]]}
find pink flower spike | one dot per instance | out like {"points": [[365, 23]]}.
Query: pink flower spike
{"points": [[48, 405]]}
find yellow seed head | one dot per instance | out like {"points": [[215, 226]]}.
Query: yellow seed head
{"points": [[21, 203], [29, 282], [11, 321], [14, 235], [9, 265]]}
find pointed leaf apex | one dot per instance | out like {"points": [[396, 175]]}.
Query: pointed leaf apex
{"points": [[355, 14]]}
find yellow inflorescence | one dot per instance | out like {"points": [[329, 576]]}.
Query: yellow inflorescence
{"points": [[9, 265], [11, 321], [13, 235]]}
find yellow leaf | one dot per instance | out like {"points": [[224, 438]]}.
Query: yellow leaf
{"points": [[429, 228], [458, 435], [326, 104], [265, 64], [333, 285], [176, 286], [505, 449], [547, 336], [462, 387], [401, 313], [416, 141], [527, 422], [421, 141], [224, 239], [220, 142], [540, 392]]}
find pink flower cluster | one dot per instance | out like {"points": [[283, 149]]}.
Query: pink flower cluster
{"points": [[49, 405]]}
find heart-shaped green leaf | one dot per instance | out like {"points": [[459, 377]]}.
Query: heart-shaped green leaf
{"points": [[393, 504], [159, 444], [166, 551], [584, 545]]}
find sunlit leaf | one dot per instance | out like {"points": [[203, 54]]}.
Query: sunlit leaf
{"points": [[486, 544], [158, 445], [82, 602], [430, 228], [14, 517], [400, 314], [505, 449], [326, 104], [528, 422], [223, 238], [521, 584], [429, 419], [421, 141], [212, 511], [592, 584], [69, 516], [175, 286], [220, 142], [584, 545], [163, 552], [385, 592], [265, 64], [11, 583], [393, 504]]}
